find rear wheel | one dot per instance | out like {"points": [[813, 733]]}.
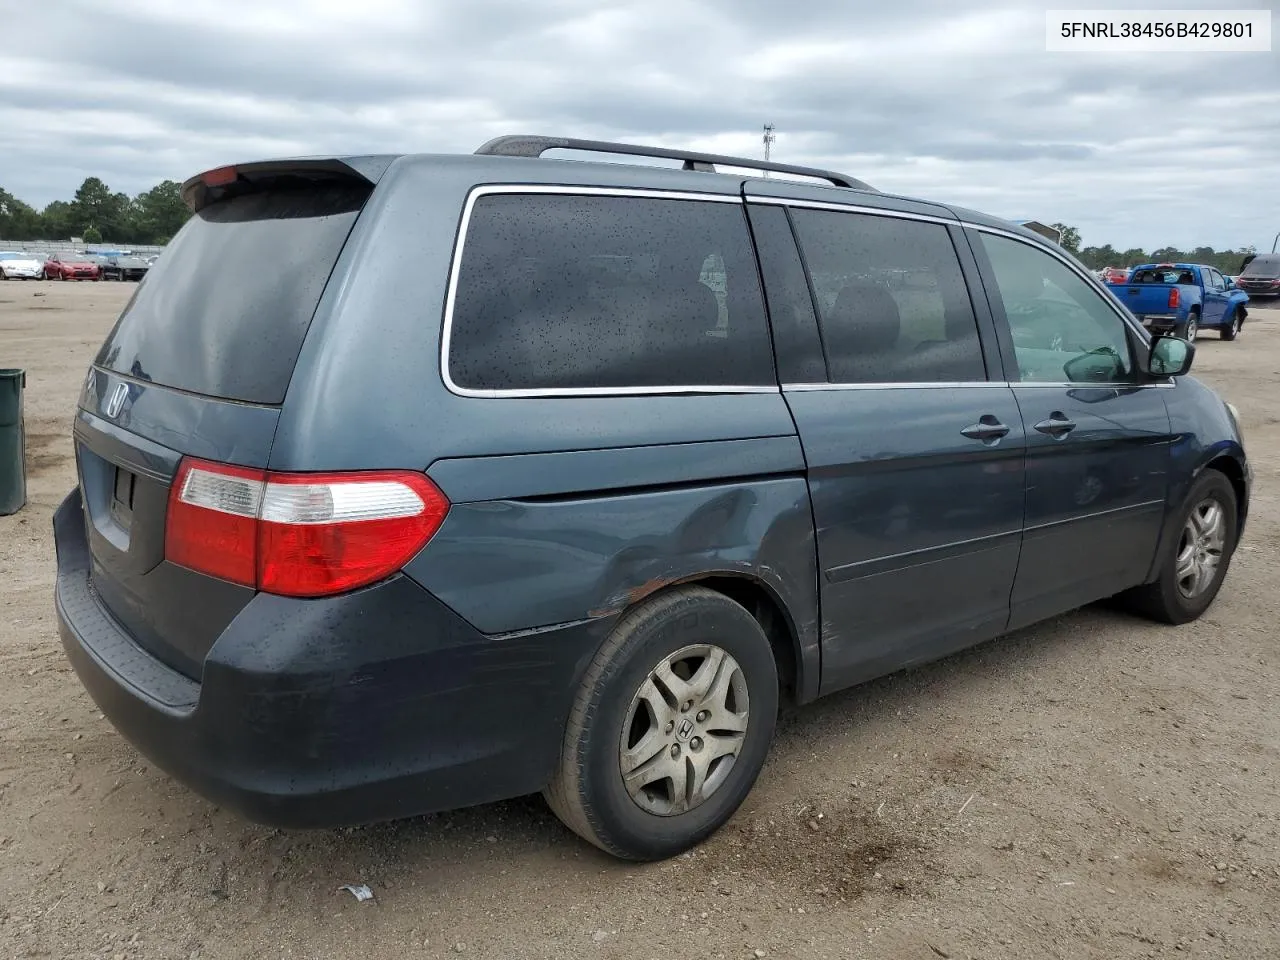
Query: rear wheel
{"points": [[670, 727], [1234, 325], [1191, 327], [1197, 557]]}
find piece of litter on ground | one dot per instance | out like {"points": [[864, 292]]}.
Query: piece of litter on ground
{"points": [[360, 891], [600, 936], [966, 804]]}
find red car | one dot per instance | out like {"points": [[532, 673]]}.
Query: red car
{"points": [[70, 266], [1115, 275]]}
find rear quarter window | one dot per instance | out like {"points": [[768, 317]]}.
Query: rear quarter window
{"points": [[224, 312], [572, 292]]}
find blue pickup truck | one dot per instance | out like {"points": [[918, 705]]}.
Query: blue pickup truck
{"points": [[1182, 299]]}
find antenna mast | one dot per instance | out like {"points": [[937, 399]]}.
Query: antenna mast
{"points": [[769, 137]]}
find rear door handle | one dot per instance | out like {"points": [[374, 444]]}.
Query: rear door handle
{"points": [[988, 429], [1057, 425]]}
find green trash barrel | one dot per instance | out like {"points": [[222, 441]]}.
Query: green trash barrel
{"points": [[13, 457]]}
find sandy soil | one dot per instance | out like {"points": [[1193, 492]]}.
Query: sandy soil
{"points": [[1095, 786]]}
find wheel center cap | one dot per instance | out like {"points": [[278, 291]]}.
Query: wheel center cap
{"points": [[684, 729]]}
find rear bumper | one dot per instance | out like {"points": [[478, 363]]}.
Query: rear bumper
{"points": [[370, 706], [1158, 321]]}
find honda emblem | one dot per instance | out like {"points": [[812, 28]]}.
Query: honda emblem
{"points": [[115, 402]]}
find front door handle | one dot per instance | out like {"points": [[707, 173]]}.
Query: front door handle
{"points": [[1057, 426], [988, 429]]}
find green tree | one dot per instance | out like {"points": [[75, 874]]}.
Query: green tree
{"points": [[57, 220], [1095, 258], [96, 206], [18, 221], [92, 234], [159, 213], [1070, 239]]}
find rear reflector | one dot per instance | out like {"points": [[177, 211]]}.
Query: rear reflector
{"points": [[301, 535]]}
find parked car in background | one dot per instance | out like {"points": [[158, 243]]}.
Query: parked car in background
{"points": [[15, 265], [1182, 299], [1115, 274], [125, 268], [642, 515], [71, 266], [1261, 276]]}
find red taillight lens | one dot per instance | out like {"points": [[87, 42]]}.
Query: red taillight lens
{"points": [[1174, 299], [300, 535], [323, 534], [212, 524]]}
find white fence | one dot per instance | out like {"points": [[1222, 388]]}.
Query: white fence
{"points": [[42, 248]]}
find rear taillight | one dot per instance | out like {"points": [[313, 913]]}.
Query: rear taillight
{"points": [[1174, 299], [299, 534]]}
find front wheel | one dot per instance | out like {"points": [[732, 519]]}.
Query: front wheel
{"points": [[670, 727], [1195, 560], [1234, 325]]}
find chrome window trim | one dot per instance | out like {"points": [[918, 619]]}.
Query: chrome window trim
{"points": [[953, 385], [892, 385], [854, 208], [455, 266]]}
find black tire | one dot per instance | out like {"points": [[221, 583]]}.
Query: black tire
{"points": [[1234, 325], [587, 791], [1189, 329], [1163, 599]]}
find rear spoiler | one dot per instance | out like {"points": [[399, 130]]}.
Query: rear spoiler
{"points": [[204, 188]]}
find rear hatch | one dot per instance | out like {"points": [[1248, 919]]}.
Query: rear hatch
{"points": [[198, 365]]}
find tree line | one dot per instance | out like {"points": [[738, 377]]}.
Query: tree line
{"points": [[97, 215], [1095, 258]]}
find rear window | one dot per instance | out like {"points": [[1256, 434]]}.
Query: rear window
{"points": [[1264, 266], [224, 312], [1162, 275], [571, 292]]}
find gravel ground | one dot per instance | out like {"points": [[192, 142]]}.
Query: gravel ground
{"points": [[1095, 786]]}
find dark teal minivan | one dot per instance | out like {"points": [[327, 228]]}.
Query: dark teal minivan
{"points": [[520, 474]]}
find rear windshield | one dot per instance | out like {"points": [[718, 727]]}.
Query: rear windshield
{"points": [[1264, 266], [224, 312], [1162, 275]]}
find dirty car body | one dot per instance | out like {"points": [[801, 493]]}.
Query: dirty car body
{"points": [[551, 492]]}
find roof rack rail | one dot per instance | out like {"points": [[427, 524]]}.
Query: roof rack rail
{"points": [[532, 146]]}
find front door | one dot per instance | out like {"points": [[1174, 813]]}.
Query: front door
{"points": [[915, 456], [1215, 297], [1098, 435]]}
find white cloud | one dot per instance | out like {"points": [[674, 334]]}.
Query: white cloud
{"points": [[951, 102]]}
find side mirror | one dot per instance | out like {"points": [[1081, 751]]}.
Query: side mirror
{"points": [[1170, 356]]}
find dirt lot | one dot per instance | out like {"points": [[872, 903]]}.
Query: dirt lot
{"points": [[1096, 786]]}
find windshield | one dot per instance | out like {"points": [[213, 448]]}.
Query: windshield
{"points": [[1267, 265]]}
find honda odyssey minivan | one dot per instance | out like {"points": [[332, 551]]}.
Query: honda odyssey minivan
{"points": [[520, 474]]}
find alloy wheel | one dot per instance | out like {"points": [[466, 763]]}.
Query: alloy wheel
{"points": [[684, 730]]}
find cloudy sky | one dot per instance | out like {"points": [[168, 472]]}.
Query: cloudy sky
{"points": [[954, 101]]}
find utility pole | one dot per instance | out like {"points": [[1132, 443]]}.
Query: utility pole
{"points": [[769, 137]]}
